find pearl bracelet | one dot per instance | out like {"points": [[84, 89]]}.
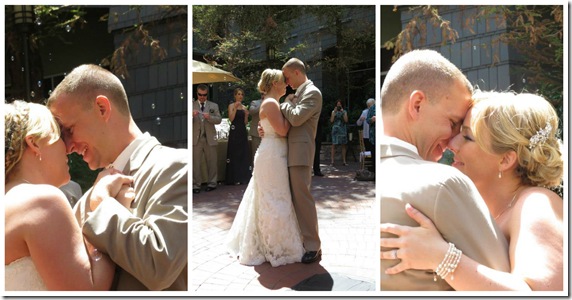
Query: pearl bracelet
{"points": [[96, 254], [449, 263]]}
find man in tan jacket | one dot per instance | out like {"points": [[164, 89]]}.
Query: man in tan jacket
{"points": [[302, 110], [147, 241], [424, 99], [205, 116]]}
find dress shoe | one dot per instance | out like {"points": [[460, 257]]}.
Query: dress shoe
{"points": [[196, 191], [210, 188], [318, 174], [311, 256]]}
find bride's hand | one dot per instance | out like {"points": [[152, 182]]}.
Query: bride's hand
{"points": [[107, 185], [420, 248], [125, 196]]}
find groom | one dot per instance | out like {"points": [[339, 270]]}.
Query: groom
{"points": [[149, 241], [302, 110]]}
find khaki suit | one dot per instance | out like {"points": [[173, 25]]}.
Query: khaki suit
{"points": [[304, 117], [205, 142], [148, 243], [254, 113], [449, 199]]}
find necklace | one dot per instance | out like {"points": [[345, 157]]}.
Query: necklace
{"points": [[509, 206]]}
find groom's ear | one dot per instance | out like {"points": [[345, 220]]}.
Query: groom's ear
{"points": [[103, 106], [416, 99]]}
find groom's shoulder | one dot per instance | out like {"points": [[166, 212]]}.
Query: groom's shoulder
{"points": [[169, 155], [313, 88]]}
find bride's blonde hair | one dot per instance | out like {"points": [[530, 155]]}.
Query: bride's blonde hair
{"points": [[22, 119], [268, 77], [526, 124]]}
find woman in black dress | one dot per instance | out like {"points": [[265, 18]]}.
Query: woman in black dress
{"points": [[238, 157]]}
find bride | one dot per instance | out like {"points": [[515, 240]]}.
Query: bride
{"points": [[44, 246], [265, 227]]}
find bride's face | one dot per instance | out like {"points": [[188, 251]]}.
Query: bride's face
{"points": [[280, 86], [55, 161], [482, 167]]}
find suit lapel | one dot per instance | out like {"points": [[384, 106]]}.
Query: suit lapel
{"points": [[139, 155]]}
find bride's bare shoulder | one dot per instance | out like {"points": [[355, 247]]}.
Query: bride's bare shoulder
{"points": [[269, 101], [36, 199]]}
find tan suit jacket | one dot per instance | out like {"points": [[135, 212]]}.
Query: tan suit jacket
{"points": [[148, 243], [209, 125], [449, 199], [304, 117]]}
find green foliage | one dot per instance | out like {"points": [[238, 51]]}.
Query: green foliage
{"points": [[80, 172], [229, 35], [447, 157], [535, 31], [56, 18]]}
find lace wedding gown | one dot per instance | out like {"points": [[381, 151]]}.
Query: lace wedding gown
{"points": [[21, 275], [265, 227]]}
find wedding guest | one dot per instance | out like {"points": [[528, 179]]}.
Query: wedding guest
{"points": [[253, 112], [367, 132], [72, 190], [370, 119], [205, 116], [238, 157], [339, 119], [148, 242], [318, 141], [44, 246], [424, 99], [508, 146]]}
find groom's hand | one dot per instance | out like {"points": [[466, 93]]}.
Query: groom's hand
{"points": [[126, 195], [292, 98], [107, 185]]}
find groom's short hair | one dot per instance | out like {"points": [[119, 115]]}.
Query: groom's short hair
{"points": [[295, 64], [425, 70], [87, 82]]}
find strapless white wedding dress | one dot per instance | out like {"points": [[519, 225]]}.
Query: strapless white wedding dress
{"points": [[265, 227], [21, 275]]}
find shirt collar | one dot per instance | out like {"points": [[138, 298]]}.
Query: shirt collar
{"points": [[302, 86], [395, 141], [121, 161]]}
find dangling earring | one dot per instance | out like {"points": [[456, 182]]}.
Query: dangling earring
{"points": [[500, 174], [38, 155]]}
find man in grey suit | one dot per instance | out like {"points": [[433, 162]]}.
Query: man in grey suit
{"points": [[147, 239], [302, 110], [253, 112], [205, 116], [424, 99]]}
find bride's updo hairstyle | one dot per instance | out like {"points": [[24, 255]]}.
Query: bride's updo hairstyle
{"points": [[22, 119], [526, 124], [268, 77]]}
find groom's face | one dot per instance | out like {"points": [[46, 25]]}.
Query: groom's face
{"points": [[290, 77], [82, 130]]}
